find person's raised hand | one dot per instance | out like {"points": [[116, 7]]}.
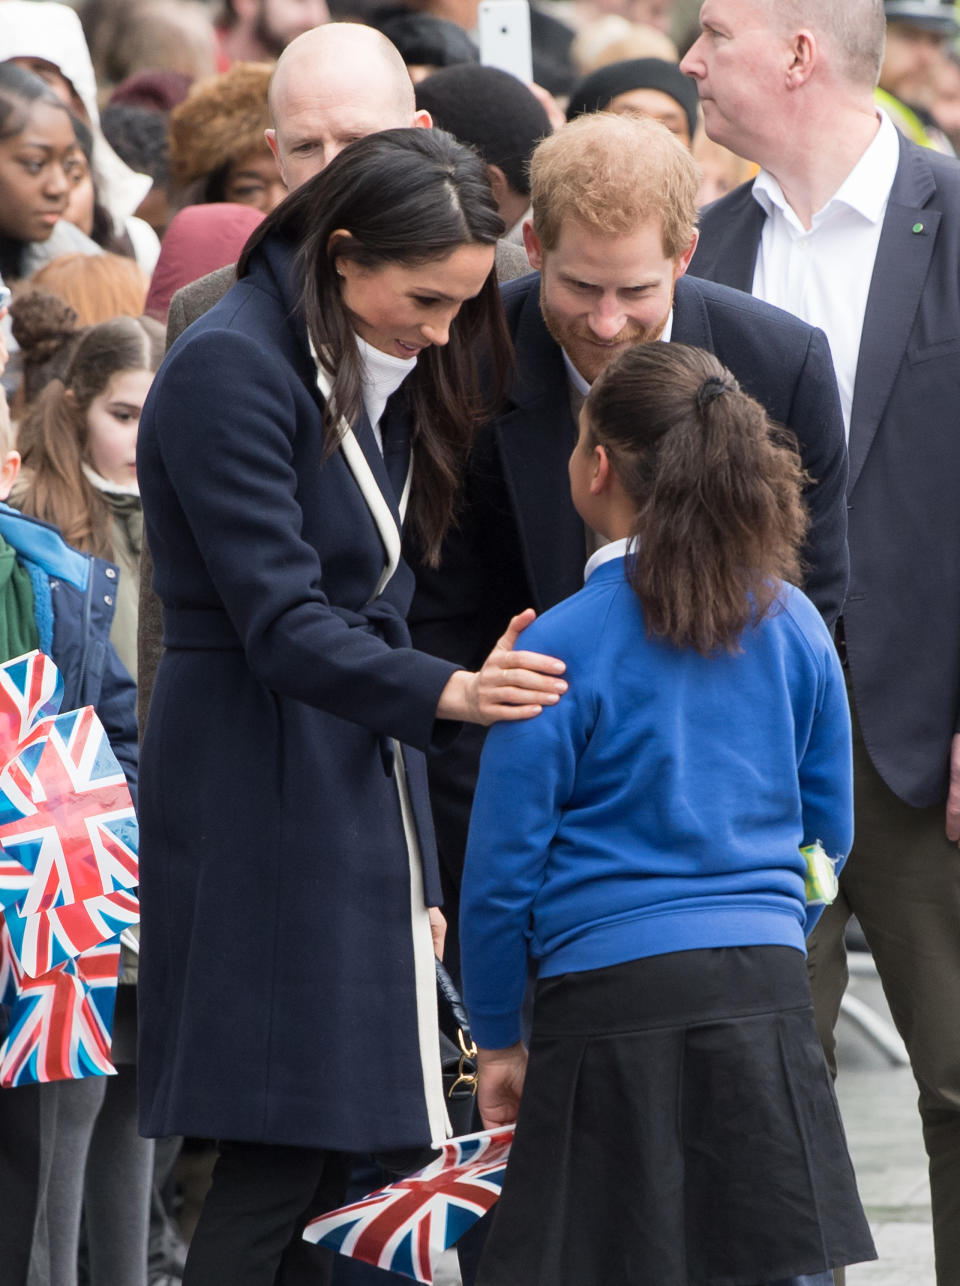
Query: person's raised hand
{"points": [[509, 685]]}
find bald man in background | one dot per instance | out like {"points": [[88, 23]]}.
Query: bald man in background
{"points": [[332, 85]]}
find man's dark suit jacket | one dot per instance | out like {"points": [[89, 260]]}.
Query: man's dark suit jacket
{"points": [[902, 613], [520, 542]]}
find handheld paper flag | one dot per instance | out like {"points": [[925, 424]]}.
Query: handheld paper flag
{"points": [[406, 1225], [60, 1023]]}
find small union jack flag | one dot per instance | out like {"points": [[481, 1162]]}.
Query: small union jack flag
{"points": [[60, 1022], [48, 938], [31, 689], [11, 974], [66, 813], [406, 1225]]}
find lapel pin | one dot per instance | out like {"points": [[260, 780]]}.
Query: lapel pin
{"points": [[917, 227]]}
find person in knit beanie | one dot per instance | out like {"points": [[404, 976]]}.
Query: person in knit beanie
{"points": [[217, 147], [643, 86]]}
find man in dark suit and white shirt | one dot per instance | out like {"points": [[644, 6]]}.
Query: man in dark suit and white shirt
{"points": [[613, 230], [857, 230]]}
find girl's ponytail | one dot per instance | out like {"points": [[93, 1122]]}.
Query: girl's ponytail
{"points": [[717, 492]]}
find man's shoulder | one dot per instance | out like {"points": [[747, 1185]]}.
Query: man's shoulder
{"points": [[518, 294], [515, 292], [917, 162], [728, 209], [193, 300], [728, 306]]}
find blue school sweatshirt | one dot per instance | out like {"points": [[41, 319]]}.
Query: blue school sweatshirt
{"points": [[659, 806]]}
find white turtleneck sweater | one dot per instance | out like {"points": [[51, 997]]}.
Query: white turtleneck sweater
{"points": [[381, 375]]}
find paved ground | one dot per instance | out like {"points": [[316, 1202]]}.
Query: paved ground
{"points": [[878, 1102]]}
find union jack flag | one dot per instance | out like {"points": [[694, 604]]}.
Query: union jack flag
{"points": [[66, 814], [30, 689], [15, 880], [406, 1225], [10, 972], [68, 863], [60, 1022], [48, 938]]}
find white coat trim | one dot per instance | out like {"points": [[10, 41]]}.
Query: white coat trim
{"points": [[424, 970], [369, 488]]}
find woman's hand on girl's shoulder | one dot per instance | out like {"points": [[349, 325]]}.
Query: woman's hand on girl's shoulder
{"points": [[502, 1073], [509, 685]]}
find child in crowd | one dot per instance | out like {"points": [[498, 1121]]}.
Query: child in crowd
{"points": [[639, 842], [79, 442], [61, 601]]}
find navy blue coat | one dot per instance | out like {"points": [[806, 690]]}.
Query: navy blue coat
{"points": [[277, 993], [902, 614]]}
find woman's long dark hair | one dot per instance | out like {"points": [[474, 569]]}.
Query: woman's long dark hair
{"points": [[18, 90], [717, 490], [406, 196]]}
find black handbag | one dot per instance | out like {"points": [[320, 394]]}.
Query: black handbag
{"points": [[458, 1054], [458, 1060]]}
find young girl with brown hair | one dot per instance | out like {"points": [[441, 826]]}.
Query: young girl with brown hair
{"points": [[677, 1123], [78, 441]]}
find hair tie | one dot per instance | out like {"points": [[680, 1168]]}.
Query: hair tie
{"points": [[710, 390]]}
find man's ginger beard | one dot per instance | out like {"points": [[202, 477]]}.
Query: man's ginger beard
{"points": [[575, 337]]}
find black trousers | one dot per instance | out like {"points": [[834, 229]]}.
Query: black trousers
{"points": [[19, 1179], [261, 1197]]}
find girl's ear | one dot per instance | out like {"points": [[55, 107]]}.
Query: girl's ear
{"points": [[602, 471], [8, 473]]}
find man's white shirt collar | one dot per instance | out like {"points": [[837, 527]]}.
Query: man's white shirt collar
{"points": [[866, 189]]}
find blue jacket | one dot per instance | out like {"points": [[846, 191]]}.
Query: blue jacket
{"points": [[659, 806], [74, 601]]}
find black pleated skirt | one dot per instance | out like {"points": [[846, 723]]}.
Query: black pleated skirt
{"points": [[678, 1127]]}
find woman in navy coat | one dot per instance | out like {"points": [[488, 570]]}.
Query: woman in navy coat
{"points": [[286, 985]]}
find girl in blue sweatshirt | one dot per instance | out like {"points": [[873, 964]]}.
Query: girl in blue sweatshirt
{"points": [[637, 846]]}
